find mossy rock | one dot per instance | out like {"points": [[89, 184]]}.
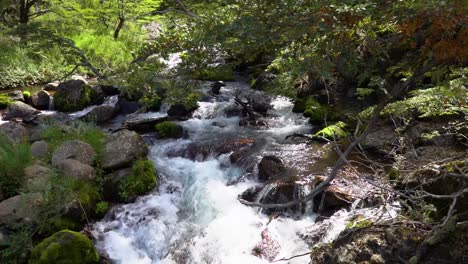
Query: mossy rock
{"points": [[168, 129], [65, 247], [4, 101], [57, 223], [73, 95], [142, 179], [316, 112], [335, 131]]}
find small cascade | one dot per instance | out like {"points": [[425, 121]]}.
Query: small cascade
{"points": [[51, 103], [301, 191]]}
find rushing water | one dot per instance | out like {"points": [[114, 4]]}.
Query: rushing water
{"points": [[193, 216]]}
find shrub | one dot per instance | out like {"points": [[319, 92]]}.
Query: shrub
{"points": [[13, 160], [65, 247], [168, 129], [142, 180]]}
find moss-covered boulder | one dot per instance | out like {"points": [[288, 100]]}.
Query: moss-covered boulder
{"points": [[4, 101], [334, 131], [168, 129], [74, 95], [65, 247], [316, 112], [219, 73]]}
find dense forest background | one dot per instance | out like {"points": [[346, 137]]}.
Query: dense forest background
{"points": [[345, 63]]}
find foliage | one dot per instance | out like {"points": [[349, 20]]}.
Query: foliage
{"points": [[63, 104], [102, 208], [168, 129], [181, 92], [13, 159], [334, 131], [65, 247], [4, 101], [142, 180]]}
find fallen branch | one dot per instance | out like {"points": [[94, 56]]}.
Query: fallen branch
{"points": [[293, 257]]}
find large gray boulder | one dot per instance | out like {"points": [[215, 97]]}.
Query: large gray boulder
{"points": [[122, 148], [74, 149], [15, 132], [20, 110], [72, 95], [40, 149], [41, 100], [75, 169], [36, 175], [101, 113], [19, 208]]}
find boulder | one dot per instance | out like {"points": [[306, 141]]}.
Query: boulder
{"points": [[101, 113], [122, 148], [73, 95], [20, 110], [74, 149], [110, 90], [97, 95], [41, 100], [260, 103], [75, 169], [51, 87], [126, 106], [111, 188], [180, 112], [65, 247], [79, 78], [40, 149], [263, 79], [142, 124], [15, 132], [168, 129], [271, 168], [233, 110], [19, 208], [216, 87], [36, 175], [16, 95]]}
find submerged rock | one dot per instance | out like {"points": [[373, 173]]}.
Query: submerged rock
{"points": [[122, 148], [74, 149]]}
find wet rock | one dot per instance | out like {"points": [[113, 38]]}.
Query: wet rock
{"points": [[41, 100], [74, 149], [253, 123], [260, 103], [126, 106], [233, 110], [110, 90], [271, 168], [75, 169], [122, 148], [20, 110], [97, 95], [39, 149], [180, 112], [16, 95], [250, 194], [73, 95], [233, 145], [142, 124], [111, 187], [268, 248], [264, 79], [216, 87], [101, 113], [51, 87], [19, 208], [15, 132], [36, 175]]}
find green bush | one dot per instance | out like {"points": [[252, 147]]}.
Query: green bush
{"points": [[4, 101], [65, 247], [222, 73], [13, 160], [142, 180], [168, 129]]}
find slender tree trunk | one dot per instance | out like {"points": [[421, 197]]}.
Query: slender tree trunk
{"points": [[119, 26], [24, 12]]}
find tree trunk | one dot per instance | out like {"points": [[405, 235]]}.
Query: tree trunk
{"points": [[24, 12], [119, 27]]}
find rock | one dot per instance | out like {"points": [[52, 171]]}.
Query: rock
{"points": [[65, 247], [126, 106], [110, 90], [233, 110], [20, 110], [112, 188], [41, 100], [250, 194], [101, 113], [36, 175], [73, 95], [142, 124], [52, 118], [168, 129], [382, 138], [253, 123], [271, 168], [39, 149], [16, 95], [79, 78], [260, 103], [19, 208], [264, 79], [122, 148], [51, 87], [15, 132], [216, 87], [97, 95], [180, 112], [74, 149], [75, 169]]}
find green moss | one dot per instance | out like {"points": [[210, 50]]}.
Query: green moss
{"points": [[359, 222], [142, 180], [102, 208], [316, 112], [168, 129], [65, 247], [26, 94], [58, 223], [65, 105], [222, 73], [334, 131], [5, 101]]}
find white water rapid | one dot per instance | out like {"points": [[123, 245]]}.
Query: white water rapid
{"points": [[193, 216]]}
